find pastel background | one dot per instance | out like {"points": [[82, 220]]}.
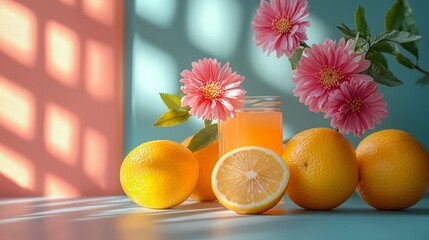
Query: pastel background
{"points": [[79, 80]]}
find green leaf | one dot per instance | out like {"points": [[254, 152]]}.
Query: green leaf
{"points": [[171, 101], [203, 137], [171, 118], [362, 45], [348, 33], [395, 16], [355, 43], [394, 36], [400, 17], [377, 57], [412, 48], [423, 80], [404, 61], [385, 47], [361, 24], [180, 93], [294, 60], [382, 75]]}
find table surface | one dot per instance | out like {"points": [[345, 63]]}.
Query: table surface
{"points": [[117, 217]]}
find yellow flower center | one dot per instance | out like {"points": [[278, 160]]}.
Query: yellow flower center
{"points": [[281, 25], [211, 90], [330, 77], [355, 104]]}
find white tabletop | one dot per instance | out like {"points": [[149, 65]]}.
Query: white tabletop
{"points": [[116, 217]]}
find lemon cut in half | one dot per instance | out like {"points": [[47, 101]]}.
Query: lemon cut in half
{"points": [[250, 180]]}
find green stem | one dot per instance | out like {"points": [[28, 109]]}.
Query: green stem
{"points": [[207, 122], [304, 44], [416, 66]]}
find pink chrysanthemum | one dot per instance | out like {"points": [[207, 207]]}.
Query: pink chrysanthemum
{"points": [[355, 106], [212, 92], [280, 26], [322, 69]]}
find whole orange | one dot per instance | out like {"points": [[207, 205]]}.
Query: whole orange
{"points": [[323, 169], [393, 169], [207, 158], [159, 174]]}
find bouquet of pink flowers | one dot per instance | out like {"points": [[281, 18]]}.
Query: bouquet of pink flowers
{"points": [[336, 78]]}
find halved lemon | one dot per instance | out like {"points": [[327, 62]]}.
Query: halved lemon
{"points": [[250, 180]]}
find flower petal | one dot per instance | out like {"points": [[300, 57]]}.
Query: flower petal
{"points": [[208, 72]]}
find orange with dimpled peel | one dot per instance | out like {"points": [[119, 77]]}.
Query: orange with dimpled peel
{"points": [[393, 170], [323, 168]]}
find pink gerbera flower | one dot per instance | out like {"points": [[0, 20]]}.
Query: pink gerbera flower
{"points": [[212, 92], [355, 106], [322, 69], [280, 26]]}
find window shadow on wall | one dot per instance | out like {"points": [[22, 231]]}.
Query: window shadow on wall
{"points": [[60, 97]]}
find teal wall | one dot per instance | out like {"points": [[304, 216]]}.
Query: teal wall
{"points": [[165, 36]]}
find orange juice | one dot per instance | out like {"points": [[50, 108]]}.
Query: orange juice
{"points": [[259, 123]]}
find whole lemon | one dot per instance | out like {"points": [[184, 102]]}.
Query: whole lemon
{"points": [[207, 158], [159, 174], [323, 169], [393, 169]]}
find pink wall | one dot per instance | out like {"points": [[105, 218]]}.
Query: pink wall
{"points": [[61, 107]]}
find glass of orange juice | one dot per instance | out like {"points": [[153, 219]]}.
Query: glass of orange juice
{"points": [[258, 123]]}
